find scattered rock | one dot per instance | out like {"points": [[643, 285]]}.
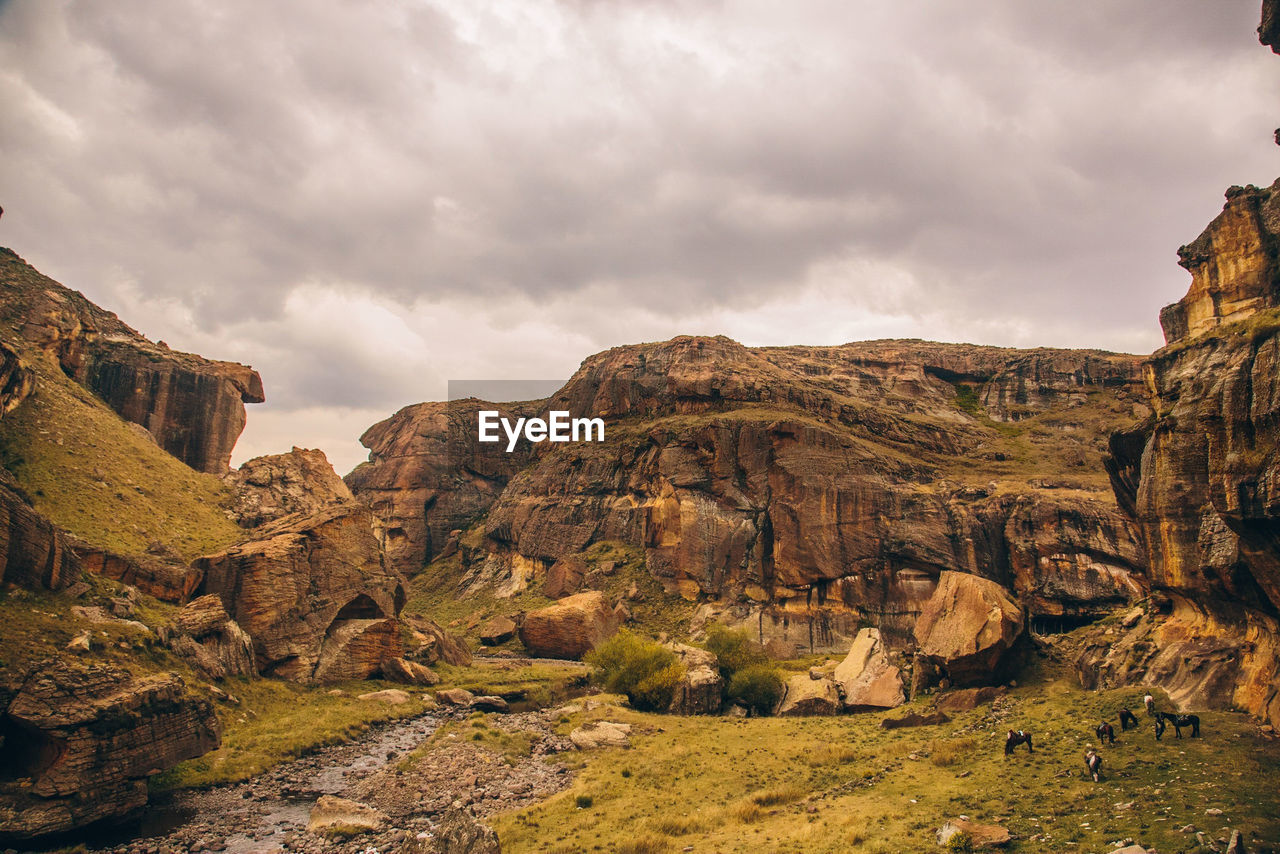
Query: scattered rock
{"points": [[408, 672], [981, 835], [339, 813], [497, 630], [390, 696], [601, 734]]}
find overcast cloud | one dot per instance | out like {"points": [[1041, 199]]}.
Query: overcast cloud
{"points": [[366, 199]]}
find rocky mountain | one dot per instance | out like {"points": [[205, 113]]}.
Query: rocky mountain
{"points": [[1202, 477], [804, 492]]}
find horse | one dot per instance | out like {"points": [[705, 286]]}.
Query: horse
{"points": [[1159, 726], [1016, 738], [1127, 720], [1180, 721], [1093, 762], [1106, 731], [1150, 702]]}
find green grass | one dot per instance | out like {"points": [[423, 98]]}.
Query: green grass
{"points": [[843, 784], [97, 476]]}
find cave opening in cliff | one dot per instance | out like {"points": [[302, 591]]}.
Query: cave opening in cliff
{"points": [[360, 608], [26, 751]]}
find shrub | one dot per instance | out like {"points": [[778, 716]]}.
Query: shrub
{"points": [[758, 687], [642, 669], [584, 802], [734, 649], [960, 841]]}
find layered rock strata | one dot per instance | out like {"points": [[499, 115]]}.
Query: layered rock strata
{"points": [[268, 488]]}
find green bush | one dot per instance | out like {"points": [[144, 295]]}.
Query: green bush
{"points": [[758, 687], [734, 649], [642, 669]]}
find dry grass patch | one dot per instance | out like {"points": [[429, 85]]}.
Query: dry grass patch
{"points": [[947, 752]]}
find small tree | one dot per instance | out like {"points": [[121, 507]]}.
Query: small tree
{"points": [[642, 669], [758, 687], [734, 649]]}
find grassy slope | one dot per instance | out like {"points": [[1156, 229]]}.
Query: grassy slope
{"points": [[844, 784], [102, 479]]}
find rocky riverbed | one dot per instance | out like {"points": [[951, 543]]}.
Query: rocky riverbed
{"points": [[385, 769]]}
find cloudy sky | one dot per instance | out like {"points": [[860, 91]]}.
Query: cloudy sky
{"points": [[365, 200]]}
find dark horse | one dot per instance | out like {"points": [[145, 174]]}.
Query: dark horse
{"points": [[1016, 738], [1178, 721], [1106, 731], [1127, 720], [1093, 762]]}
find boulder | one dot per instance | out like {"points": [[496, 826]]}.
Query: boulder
{"points": [[271, 487], [314, 593], [981, 835], [390, 696], [968, 627], [456, 833], [913, 719], [590, 736], [488, 703], [807, 696], [497, 630], [866, 677], [340, 814], [570, 628], [212, 641], [408, 672], [91, 737], [968, 698], [431, 643], [701, 692], [565, 576], [455, 697]]}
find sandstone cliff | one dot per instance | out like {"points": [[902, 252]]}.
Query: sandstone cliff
{"points": [[193, 407], [267, 488], [1203, 477]]}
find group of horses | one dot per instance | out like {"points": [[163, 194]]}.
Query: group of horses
{"points": [[1106, 732]]}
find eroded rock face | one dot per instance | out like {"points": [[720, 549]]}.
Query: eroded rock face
{"points": [[806, 696], [33, 553], [315, 594], [1203, 477], [431, 643], [164, 577], [867, 678], [570, 628], [968, 628], [87, 739], [194, 407], [214, 643], [301, 481]]}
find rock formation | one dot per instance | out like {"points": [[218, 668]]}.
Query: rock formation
{"points": [[267, 488], [968, 628], [163, 576], [80, 742], [315, 594], [701, 691], [1269, 30], [431, 643], [570, 628], [194, 407], [212, 641], [867, 678], [33, 553], [1202, 478], [806, 695]]}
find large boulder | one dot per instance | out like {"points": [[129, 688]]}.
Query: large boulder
{"points": [[565, 576], [332, 814], [82, 742], [590, 736], [429, 643], [867, 678], [570, 628], [215, 644], [267, 488], [968, 628], [496, 630], [701, 691], [315, 594], [806, 696]]}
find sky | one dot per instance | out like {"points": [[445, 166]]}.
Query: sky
{"points": [[366, 200]]}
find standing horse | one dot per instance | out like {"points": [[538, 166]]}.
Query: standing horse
{"points": [[1016, 738], [1127, 720], [1159, 726], [1106, 731], [1150, 702], [1180, 721], [1093, 762]]}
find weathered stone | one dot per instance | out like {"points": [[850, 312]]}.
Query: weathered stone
{"points": [[968, 698], [212, 640], [459, 833], [590, 736], [980, 835], [433, 643], [90, 738], [914, 719], [866, 677], [312, 591], [333, 813], [82, 642], [268, 488], [489, 703], [390, 696], [570, 628], [408, 672], [805, 696], [968, 627], [167, 579], [701, 692], [565, 576], [497, 630], [33, 553], [455, 697]]}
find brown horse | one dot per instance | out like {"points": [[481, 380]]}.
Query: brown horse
{"points": [[1016, 738], [1127, 720], [1107, 732]]}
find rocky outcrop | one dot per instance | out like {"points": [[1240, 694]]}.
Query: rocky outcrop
{"points": [[968, 629], [429, 475], [33, 553], [1269, 30], [267, 488], [80, 742], [701, 690], [408, 672], [212, 641], [570, 628], [163, 576], [16, 379], [194, 407], [867, 678], [431, 643], [805, 695], [1202, 478], [315, 594]]}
